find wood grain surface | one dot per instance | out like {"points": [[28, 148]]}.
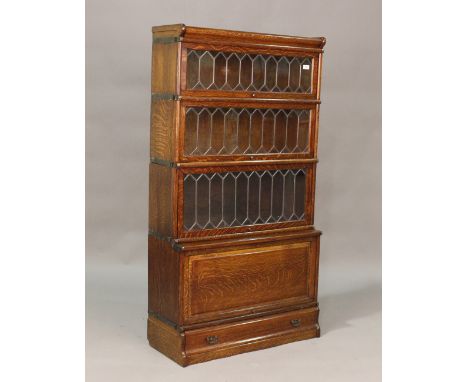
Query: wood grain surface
{"points": [[200, 345], [239, 279], [218, 292]]}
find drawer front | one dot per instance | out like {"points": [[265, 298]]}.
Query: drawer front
{"points": [[247, 281], [216, 337]]}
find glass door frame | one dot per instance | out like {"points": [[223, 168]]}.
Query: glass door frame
{"points": [[309, 169], [315, 57], [313, 108]]}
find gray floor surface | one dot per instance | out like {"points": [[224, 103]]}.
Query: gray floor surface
{"points": [[117, 349]]}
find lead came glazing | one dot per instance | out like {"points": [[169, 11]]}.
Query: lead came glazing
{"points": [[231, 199], [236, 131], [210, 70]]}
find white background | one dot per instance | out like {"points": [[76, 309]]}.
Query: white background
{"points": [[42, 203], [348, 197]]}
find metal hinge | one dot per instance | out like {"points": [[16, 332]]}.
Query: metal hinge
{"points": [[163, 319], [166, 40], [164, 97], [163, 162], [176, 247]]}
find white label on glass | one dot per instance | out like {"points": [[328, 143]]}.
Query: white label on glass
{"points": [[306, 67]]}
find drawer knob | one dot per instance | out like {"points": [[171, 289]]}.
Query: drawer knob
{"points": [[296, 322], [212, 340]]}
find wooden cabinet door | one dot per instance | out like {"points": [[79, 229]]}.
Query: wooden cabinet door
{"points": [[232, 283]]}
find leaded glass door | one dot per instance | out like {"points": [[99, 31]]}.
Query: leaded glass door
{"points": [[247, 130], [220, 69], [241, 200]]}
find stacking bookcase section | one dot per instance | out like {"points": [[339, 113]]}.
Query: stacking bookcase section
{"points": [[232, 250], [211, 201], [231, 130], [245, 199]]}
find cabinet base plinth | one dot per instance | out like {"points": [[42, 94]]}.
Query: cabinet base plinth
{"points": [[211, 342]]}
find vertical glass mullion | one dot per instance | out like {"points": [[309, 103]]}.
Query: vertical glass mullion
{"points": [[260, 177], [235, 198], [294, 193], [196, 201], [222, 200], [271, 195], [284, 195]]}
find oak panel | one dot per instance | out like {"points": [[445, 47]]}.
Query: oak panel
{"points": [[163, 130], [229, 283], [165, 68], [215, 338], [167, 340], [163, 279], [162, 202]]}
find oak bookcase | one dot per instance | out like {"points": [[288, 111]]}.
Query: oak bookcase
{"points": [[232, 250]]}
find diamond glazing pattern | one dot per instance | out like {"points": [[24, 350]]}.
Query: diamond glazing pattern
{"points": [[219, 200], [235, 131], [212, 70]]}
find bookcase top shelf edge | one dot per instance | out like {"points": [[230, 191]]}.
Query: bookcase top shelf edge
{"points": [[190, 33]]}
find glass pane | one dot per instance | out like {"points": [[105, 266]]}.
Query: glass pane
{"points": [[232, 199], [306, 74], [202, 211], [283, 74], [216, 200], [204, 124], [220, 70], [292, 133], [303, 132], [218, 127], [294, 72], [280, 131], [233, 65], [190, 197], [191, 131], [248, 72], [193, 74], [235, 131]]}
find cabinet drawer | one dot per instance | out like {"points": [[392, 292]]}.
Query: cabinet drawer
{"points": [[248, 281], [246, 332]]}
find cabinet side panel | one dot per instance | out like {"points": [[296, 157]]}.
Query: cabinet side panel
{"points": [[160, 200], [163, 279], [162, 141], [164, 72]]}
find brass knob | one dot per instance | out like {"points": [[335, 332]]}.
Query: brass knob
{"points": [[212, 340], [296, 323]]}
